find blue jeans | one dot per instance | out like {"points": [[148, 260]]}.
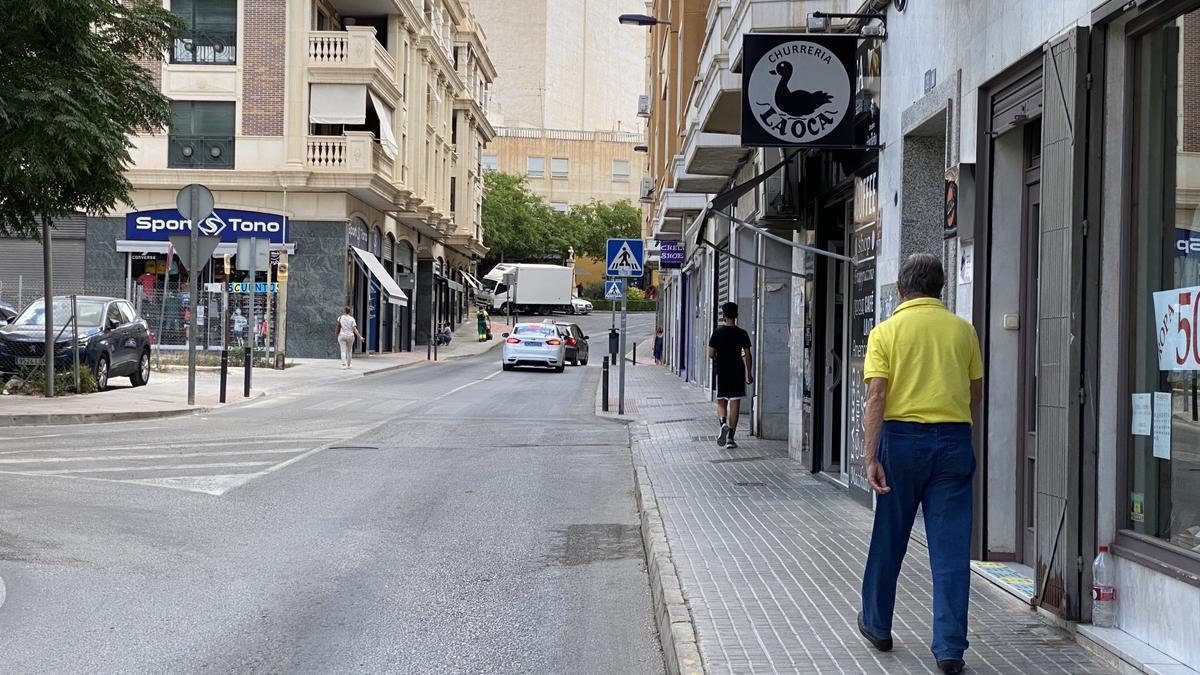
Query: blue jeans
{"points": [[930, 465]]}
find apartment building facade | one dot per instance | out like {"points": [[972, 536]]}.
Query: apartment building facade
{"points": [[347, 133], [1045, 150]]}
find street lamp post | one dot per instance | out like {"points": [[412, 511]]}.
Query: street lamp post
{"points": [[640, 20]]}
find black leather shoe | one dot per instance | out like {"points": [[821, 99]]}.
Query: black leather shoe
{"points": [[882, 644], [951, 666]]}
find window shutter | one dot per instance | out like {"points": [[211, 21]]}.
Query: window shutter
{"points": [[185, 9], [1060, 267]]}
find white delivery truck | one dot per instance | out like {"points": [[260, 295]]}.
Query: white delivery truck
{"points": [[529, 288]]}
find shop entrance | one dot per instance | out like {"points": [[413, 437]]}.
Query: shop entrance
{"points": [[831, 320]]}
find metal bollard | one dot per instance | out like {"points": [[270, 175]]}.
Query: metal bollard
{"points": [[224, 370], [247, 366], [634, 363], [604, 389]]}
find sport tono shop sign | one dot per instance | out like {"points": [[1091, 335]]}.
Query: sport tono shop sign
{"points": [[799, 90], [228, 224]]}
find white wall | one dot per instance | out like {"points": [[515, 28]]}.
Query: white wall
{"points": [[565, 65], [1159, 610], [980, 38]]}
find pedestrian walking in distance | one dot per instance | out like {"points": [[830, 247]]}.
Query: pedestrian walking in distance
{"points": [[484, 326], [924, 379], [347, 333], [658, 346], [729, 348]]}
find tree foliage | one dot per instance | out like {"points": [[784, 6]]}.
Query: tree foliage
{"points": [[72, 94], [519, 225]]}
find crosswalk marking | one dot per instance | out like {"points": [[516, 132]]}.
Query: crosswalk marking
{"points": [[110, 458], [212, 466], [114, 469]]}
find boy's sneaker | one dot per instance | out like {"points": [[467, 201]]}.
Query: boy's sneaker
{"points": [[724, 437], [730, 444]]}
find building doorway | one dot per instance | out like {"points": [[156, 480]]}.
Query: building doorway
{"points": [[831, 329], [1027, 438]]}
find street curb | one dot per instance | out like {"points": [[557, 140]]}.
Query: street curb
{"points": [[676, 632], [443, 359], [55, 419]]}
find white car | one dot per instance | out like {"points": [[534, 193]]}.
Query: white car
{"points": [[580, 306], [534, 344]]}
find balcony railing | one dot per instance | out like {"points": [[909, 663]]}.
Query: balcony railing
{"points": [[355, 152], [205, 47], [200, 152], [355, 47], [326, 152]]}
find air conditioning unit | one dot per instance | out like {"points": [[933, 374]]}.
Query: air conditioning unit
{"points": [[647, 192], [643, 106]]}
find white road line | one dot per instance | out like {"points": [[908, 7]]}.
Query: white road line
{"points": [[170, 446], [117, 469], [109, 458], [25, 438], [469, 384], [319, 448]]}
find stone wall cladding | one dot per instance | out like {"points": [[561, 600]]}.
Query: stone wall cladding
{"points": [[264, 50], [317, 287]]}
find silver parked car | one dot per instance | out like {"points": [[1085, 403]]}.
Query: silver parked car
{"points": [[534, 344], [580, 306]]}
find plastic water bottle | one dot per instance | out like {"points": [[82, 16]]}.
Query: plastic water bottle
{"points": [[1104, 590]]}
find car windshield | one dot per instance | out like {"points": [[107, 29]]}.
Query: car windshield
{"points": [[90, 313], [535, 330]]}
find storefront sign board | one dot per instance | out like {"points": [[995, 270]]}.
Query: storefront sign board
{"points": [[799, 90], [670, 255], [227, 224]]}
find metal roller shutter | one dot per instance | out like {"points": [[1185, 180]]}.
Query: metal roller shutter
{"points": [[21, 263]]}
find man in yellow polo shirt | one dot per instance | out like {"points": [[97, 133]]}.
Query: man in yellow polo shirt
{"points": [[925, 378]]}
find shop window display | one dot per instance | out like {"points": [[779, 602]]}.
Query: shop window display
{"points": [[1163, 467]]}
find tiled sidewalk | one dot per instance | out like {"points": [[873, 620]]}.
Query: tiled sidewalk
{"points": [[770, 558]]}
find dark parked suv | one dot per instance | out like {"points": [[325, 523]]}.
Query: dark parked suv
{"points": [[113, 340], [577, 343]]}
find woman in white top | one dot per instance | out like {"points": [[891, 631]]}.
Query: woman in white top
{"points": [[347, 333]]}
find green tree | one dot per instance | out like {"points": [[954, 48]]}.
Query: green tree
{"points": [[519, 225], [595, 223], [71, 96]]}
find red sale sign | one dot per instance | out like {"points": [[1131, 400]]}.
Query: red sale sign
{"points": [[1177, 328]]}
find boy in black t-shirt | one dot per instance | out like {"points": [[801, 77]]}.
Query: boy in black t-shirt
{"points": [[729, 348]]}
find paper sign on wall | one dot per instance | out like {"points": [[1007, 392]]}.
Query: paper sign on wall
{"points": [[1142, 414], [1162, 424]]}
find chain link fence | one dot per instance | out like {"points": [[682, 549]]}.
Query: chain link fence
{"points": [[223, 318]]}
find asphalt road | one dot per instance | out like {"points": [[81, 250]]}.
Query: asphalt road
{"points": [[445, 518]]}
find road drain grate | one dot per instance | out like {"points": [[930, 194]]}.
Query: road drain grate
{"points": [[750, 484], [682, 419], [353, 447], [735, 459]]}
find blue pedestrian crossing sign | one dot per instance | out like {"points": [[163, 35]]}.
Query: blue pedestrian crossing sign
{"points": [[625, 258], [614, 289]]}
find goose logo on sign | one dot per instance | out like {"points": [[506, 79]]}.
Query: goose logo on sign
{"points": [[799, 91]]}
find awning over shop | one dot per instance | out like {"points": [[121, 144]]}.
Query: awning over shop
{"points": [[338, 104], [224, 248], [395, 295], [472, 281]]}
